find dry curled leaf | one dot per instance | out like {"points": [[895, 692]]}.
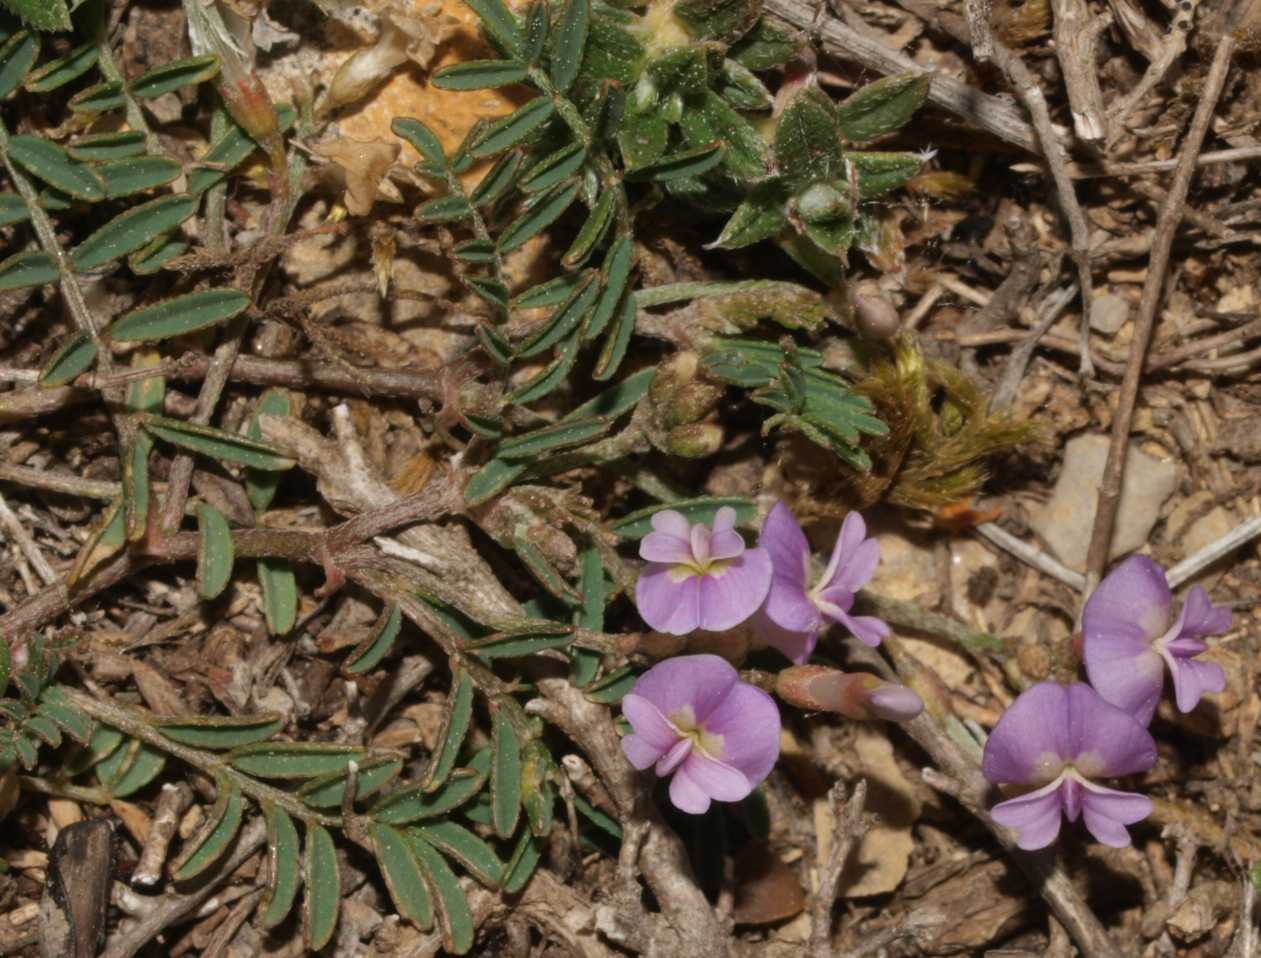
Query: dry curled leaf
{"points": [[363, 164]]}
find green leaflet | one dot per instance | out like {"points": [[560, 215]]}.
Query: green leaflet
{"points": [[590, 615], [479, 75], [554, 168], [505, 775], [457, 842], [131, 230], [280, 594], [412, 803], [54, 705], [638, 524], [423, 139], [57, 73], [598, 818], [593, 229], [492, 479], [553, 292], [215, 443], [101, 98], [682, 70], [73, 358], [455, 727], [614, 274], [741, 89], [453, 910], [155, 254], [403, 876], [136, 174], [261, 486], [293, 760], [228, 152], [567, 318], [50, 163], [642, 139], [220, 732], [525, 858], [550, 379], [724, 20], [369, 653], [524, 642], [883, 106], [610, 689], [41, 14], [766, 46], [12, 209], [708, 119], [102, 147], [617, 341], [322, 900], [136, 484], [538, 796], [284, 863], [216, 833], [327, 791], [179, 315], [502, 177], [542, 210], [171, 76], [27, 269], [215, 551], [500, 25], [542, 569], [134, 769], [759, 217], [17, 55], [680, 164], [808, 139], [568, 42], [565, 434], [104, 743], [536, 30], [445, 209], [513, 128], [879, 173]]}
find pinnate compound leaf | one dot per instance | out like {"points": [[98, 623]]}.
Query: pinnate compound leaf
{"points": [[215, 551], [455, 728], [407, 884], [179, 315], [220, 732], [171, 76], [17, 55], [221, 825], [284, 866], [568, 43], [73, 358], [280, 594], [513, 128], [479, 75], [293, 760], [27, 269], [369, 653], [217, 444], [131, 230], [52, 164], [883, 106], [454, 915], [505, 775], [322, 899]]}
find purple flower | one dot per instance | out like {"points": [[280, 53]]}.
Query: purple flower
{"points": [[1060, 739], [698, 577], [795, 612], [693, 717], [1129, 640]]}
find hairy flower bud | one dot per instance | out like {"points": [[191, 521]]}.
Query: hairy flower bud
{"points": [[875, 317], [696, 440], [855, 695], [820, 202]]}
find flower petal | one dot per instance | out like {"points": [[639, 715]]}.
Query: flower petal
{"points": [[1200, 617], [1131, 602], [696, 682], [686, 795], [725, 544], [867, 629], [700, 543], [666, 604], [653, 734], [1035, 817], [786, 544], [673, 523], [748, 721], [1126, 672], [664, 547], [1105, 741], [1033, 727], [675, 757], [896, 703], [851, 565], [724, 519], [716, 779], [1192, 679], [1107, 811], [734, 592], [797, 646]]}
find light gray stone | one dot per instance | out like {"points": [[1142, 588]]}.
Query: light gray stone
{"points": [[1108, 313], [1065, 522]]}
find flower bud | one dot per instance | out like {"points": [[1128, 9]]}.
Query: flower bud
{"points": [[855, 695], [820, 202], [696, 440], [875, 317]]}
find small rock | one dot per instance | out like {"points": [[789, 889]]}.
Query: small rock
{"points": [[1108, 313], [1065, 522], [1207, 529]]}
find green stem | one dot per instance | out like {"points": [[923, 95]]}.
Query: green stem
{"points": [[93, 795], [909, 615]]}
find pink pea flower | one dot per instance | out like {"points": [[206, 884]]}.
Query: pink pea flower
{"points": [[1129, 640], [796, 613], [693, 718], [1060, 739], [699, 577]]}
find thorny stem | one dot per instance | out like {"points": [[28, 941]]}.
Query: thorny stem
{"points": [[1157, 269]]}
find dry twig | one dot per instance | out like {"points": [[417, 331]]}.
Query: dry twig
{"points": [[848, 831]]}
